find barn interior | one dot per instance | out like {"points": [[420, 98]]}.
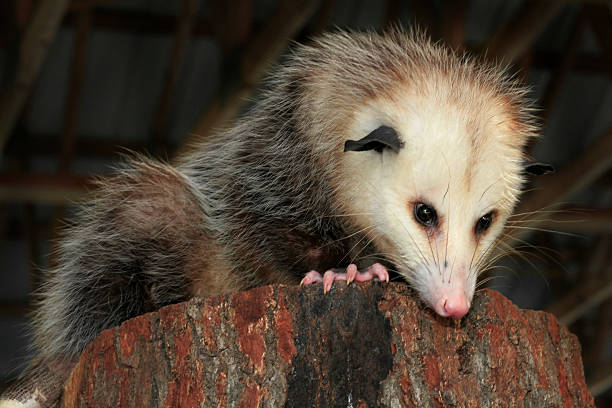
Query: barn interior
{"points": [[83, 82]]}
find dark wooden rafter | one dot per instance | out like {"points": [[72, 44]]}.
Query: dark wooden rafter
{"points": [[322, 19], [453, 26], [598, 258], [138, 22], [14, 19], [71, 112], [560, 74], [83, 28], [262, 50], [392, 11], [231, 22], [45, 145], [601, 380], [33, 49], [184, 30], [426, 17], [15, 309], [514, 37], [46, 188], [585, 63], [590, 294], [600, 21]]}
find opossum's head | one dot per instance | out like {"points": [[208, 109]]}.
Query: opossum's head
{"points": [[433, 166], [433, 183]]}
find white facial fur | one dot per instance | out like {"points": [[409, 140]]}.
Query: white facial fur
{"points": [[459, 159]]}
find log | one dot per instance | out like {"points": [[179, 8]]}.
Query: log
{"points": [[364, 345]]}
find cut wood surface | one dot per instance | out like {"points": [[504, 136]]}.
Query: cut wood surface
{"points": [[364, 345]]}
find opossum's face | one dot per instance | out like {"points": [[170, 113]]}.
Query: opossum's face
{"points": [[436, 206]]}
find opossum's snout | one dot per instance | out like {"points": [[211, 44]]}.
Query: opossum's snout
{"points": [[448, 293], [452, 302]]}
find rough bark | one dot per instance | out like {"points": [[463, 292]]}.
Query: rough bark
{"points": [[362, 345]]}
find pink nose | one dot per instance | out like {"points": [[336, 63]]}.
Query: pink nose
{"points": [[453, 304]]}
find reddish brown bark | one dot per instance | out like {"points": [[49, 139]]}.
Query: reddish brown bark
{"points": [[362, 345]]}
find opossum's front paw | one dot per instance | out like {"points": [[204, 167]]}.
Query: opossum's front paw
{"points": [[376, 271]]}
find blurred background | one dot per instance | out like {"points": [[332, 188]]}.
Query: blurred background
{"points": [[82, 80]]}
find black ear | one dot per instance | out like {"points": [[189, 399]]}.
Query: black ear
{"points": [[538, 169], [377, 139]]}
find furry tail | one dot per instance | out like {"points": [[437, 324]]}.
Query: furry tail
{"points": [[134, 248]]}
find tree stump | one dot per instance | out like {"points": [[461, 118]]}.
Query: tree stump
{"points": [[363, 345]]}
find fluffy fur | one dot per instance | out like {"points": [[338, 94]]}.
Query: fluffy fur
{"points": [[275, 196]]}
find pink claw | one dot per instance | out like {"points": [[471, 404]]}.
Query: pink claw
{"points": [[351, 273]]}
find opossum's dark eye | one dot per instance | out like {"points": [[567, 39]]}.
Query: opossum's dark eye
{"points": [[484, 223], [425, 214]]}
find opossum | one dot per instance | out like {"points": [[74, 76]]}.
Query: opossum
{"points": [[379, 152]]}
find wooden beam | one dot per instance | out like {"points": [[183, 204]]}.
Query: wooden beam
{"points": [[514, 37], [15, 309], [46, 145], [560, 74], [453, 26], [184, 28], [274, 37], [231, 22], [260, 53], [576, 303], [586, 168], [43, 188], [598, 257], [601, 381], [392, 12], [323, 18], [603, 322], [68, 142], [583, 62], [426, 16], [33, 49], [600, 19], [137, 22]]}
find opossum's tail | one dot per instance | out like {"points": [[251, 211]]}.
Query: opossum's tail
{"points": [[133, 249]]}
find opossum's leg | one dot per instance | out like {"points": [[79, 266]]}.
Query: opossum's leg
{"points": [[351, 274]]}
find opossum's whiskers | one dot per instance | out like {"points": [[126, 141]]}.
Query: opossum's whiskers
{"points": [[401, 223], [522, 255], [481, 285], [568, 234], [483, 260], [421, 254], [369, 241], [540, 249], [494, 267]]}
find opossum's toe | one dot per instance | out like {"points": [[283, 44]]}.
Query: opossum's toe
{"points": [[352, 274], [311, 277], [374, 271], [329, 277]]}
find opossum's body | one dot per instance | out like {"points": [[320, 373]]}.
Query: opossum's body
{"points": [[276, 196]]}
